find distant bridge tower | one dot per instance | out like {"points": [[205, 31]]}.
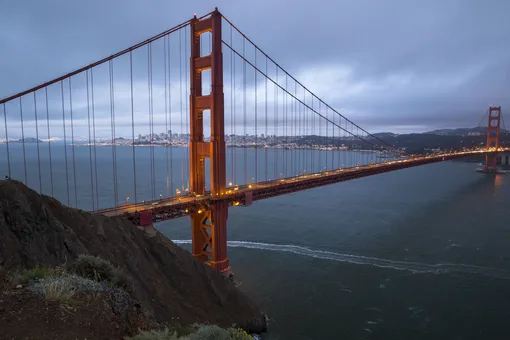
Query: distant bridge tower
{"points": [[208, 224], [493, 138]]}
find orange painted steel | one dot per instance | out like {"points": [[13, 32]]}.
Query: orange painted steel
{"points": [[493, 129], [209, 221]]}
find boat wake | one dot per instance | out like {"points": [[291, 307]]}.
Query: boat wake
{"points": [[415, 267]]}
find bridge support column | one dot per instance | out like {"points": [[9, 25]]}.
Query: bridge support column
{"points": [[209, 224], [493, 138]]}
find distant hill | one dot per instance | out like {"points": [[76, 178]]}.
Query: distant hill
{"points": [[480, 130], [27, 140], [441, 139], [384, 134]]}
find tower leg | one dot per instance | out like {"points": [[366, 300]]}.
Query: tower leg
{"points": [[219, 252], [493, 129], [209, 236], [200, 239]]}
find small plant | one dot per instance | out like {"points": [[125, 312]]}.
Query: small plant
{"points": [[185, 330], [164, 334], [210, 332], [194, 332], [77, 283], [239, 334], [120, 300], [36, 273], [99, 269], [57, 290]]}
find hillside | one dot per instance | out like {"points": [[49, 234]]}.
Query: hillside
{"points": [[463, 131], [174, 287]]}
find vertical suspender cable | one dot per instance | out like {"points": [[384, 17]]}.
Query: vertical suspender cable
{"points": [[182, 127], [320, 138], [72, 145], [90, 142], [133, 148], [333, 143], [286, 124], [275, 115], [312, 169], [94, 133], [187, 72], [65, 138], [304, 132], [112, 126], [37, 141], [234, 150], [165, 43], [7, 141], [49, 139], [244, 118], [297, 155], [23, 141], [265, 123], [151, 125], [170, 118], [256, 124], [328, 139], [232, 93]]}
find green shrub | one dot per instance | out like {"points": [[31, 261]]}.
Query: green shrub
{"points": [[164, 334], [36, 273], [185, 330], [210, 332], [194, 332], [239, 334], [99, 270]]}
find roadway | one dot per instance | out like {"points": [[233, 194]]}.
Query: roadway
{"points": [[169, 208]]}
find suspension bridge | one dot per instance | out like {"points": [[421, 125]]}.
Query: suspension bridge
{"points": [[191, 122]]}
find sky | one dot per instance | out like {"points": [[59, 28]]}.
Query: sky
{"points": [[400, 66]]}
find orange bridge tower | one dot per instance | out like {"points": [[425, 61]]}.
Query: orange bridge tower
{"points": [[493, 128], [208, 224]]}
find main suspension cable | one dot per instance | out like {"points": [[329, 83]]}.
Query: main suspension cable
{"points": [[273, 61], [284, 90]]}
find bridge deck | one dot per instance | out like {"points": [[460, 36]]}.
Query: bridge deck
{"points": [[165, 209]]}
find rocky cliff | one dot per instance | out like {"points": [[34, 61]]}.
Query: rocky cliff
{"points": [[175, 288]]}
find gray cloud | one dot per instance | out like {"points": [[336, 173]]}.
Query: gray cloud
{"points": [[396, 65]]}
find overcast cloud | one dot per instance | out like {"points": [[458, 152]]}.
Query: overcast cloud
{"points": [[400, 65]]}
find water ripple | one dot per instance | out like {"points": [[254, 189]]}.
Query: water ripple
{"points": [[415, 267]]}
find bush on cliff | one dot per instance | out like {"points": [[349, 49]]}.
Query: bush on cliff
{"points": [[38, 272], [198, 332], [98, 269]]}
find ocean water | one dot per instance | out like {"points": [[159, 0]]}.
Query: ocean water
{"points": [[419, 253]]}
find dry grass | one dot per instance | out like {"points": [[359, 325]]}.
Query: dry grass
{"points": [[58, 290]]}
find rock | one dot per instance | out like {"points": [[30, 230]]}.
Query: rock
{"points": [[19, 286], [167, 280]]}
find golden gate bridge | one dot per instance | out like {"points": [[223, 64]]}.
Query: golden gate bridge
{"points": [[235, 127]]}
